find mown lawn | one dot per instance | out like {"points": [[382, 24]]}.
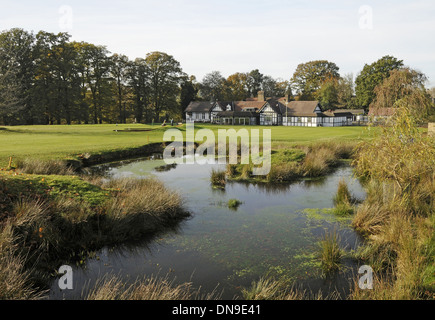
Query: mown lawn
{"points": [[61, 141]]}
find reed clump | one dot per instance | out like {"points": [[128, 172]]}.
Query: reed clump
{"points": [[330, 252], [218, 178], [343, 200], [47, 167]]}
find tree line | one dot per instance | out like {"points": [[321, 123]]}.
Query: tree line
{"points": [[46, 78]]}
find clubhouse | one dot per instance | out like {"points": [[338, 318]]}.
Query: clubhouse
{"points": [[275, 112]]}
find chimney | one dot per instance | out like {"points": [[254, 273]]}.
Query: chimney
{"points": [[261, 96]]}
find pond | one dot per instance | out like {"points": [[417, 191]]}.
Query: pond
{"points": [[274, 231]]}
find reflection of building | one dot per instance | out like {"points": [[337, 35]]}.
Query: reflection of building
{"points": [[258, 111]]}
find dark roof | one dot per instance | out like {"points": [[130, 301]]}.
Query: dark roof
{"points": [[277, 106], [237, 114], [199, 106], [224, 104], [338, 113]]}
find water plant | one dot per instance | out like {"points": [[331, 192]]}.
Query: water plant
{"points": [[218, 178], [234, 204], [330, 252]]}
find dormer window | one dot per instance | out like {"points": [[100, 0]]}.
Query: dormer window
{"points": [[228, 108]]}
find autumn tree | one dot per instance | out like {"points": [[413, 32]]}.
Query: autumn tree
{"points": [[237, 87], [404, 86], [310, 76]]}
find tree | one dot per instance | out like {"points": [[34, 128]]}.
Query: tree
{"points": [[310, 76], [97, 66], [119, 70], [16, 75], [371, 76], [275, 87], [188, 93], [254, 82], [404, 86], [138, 75], [237, 87], [165, 75], [327, 94], [346, 91], [212, 87]]}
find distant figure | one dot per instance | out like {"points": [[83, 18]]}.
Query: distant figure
{"points": [[172, 122]]}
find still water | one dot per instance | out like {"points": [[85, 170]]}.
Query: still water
{"points": [[274, 231]]}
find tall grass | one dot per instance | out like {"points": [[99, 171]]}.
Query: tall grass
{"points": [[343, 200], [112, 287], [218, 178], [37, 166], [330, 252], [267, 288], [397, 216], [271, 289], [152, 288], [42, 232]]}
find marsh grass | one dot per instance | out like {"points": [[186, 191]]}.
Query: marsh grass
{"points": [[112, 287], [218, 178], [152, 288], [46, 231], [269, 288], [330, 252], [397, 217], [47, 167], [343, 200], [15, 280]]}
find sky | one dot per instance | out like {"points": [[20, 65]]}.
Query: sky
{"points": [[273, 36]]}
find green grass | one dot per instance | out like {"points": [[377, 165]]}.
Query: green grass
{"points": [[67, 142]]}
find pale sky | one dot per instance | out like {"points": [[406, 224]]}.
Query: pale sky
{"points": [[231, 36]]}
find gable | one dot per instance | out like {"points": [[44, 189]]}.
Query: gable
{"points": [[217, 108]]}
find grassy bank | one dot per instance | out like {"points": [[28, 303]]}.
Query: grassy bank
{"points": [[294, 162], [47, 220]]}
